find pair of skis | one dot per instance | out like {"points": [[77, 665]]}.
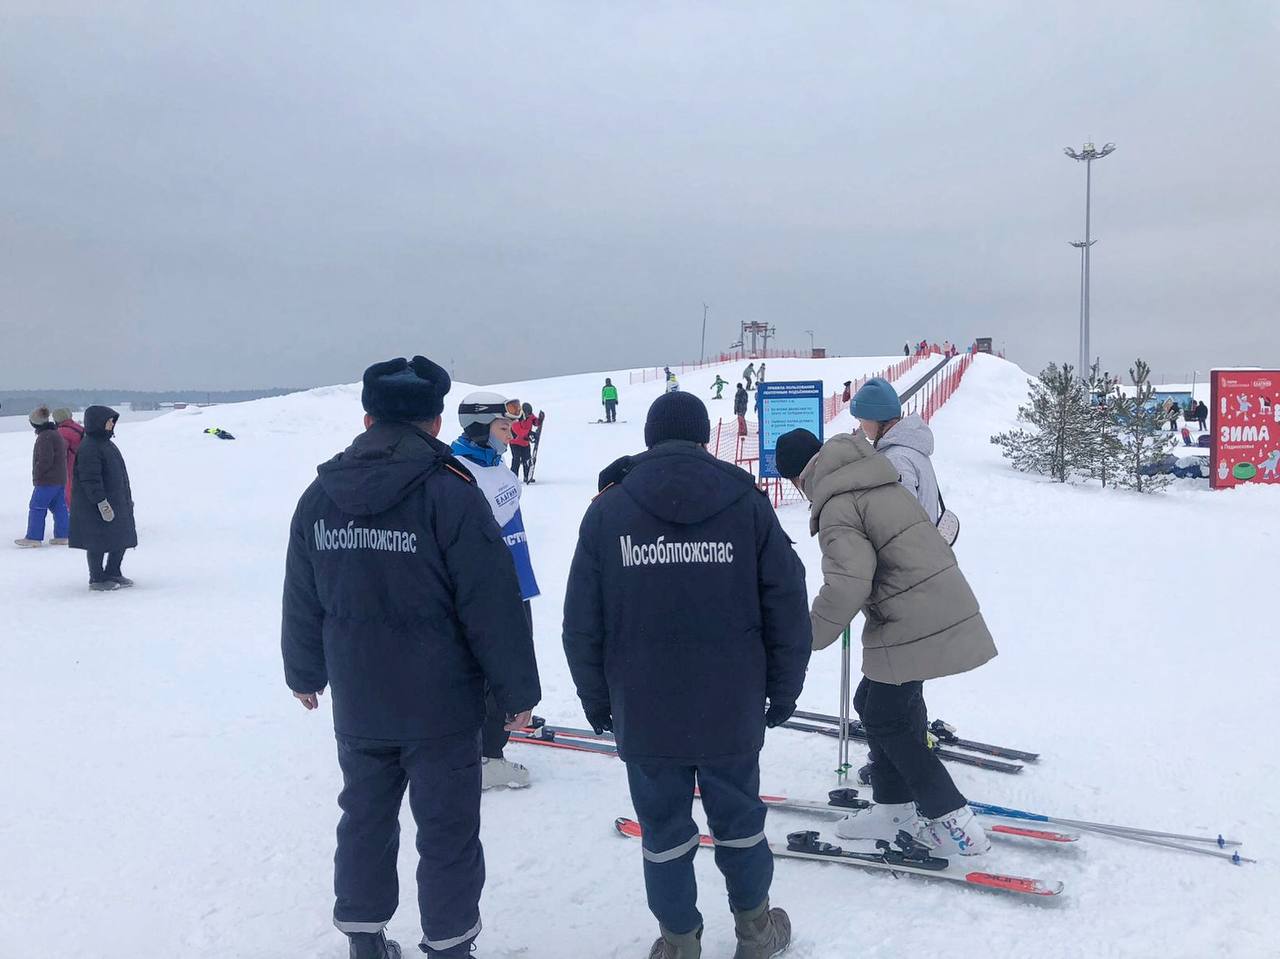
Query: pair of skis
{"points": [[944, 733], [857, 731], [904, 855], [573, 739]]}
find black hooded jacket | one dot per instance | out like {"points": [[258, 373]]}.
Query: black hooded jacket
{"points": [[686, 608], [100, 474], [400, 594]]}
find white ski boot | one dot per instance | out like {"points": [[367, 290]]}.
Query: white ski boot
{"points": [[502, 774], [881, 821], [957, 833]]}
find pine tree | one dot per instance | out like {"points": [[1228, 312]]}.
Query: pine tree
{"points": [[1141, 431], [1063, 441], [1107, 456]]}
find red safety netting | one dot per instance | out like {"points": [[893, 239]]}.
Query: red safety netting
{"points": [[737, 440], [738, 356]]}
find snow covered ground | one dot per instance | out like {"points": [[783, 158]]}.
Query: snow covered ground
{"points": [[166, 796]]}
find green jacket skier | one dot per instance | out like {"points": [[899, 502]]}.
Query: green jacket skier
{"points": [[719, 386], [609, 398]]}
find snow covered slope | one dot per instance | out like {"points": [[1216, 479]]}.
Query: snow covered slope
{"points": [[162, 787]]}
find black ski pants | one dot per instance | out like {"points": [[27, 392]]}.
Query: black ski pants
{"points": [[610, 410], [663, 800], [443, 778], [521, 456], [99, 574], [904, 768], [494, 736]]}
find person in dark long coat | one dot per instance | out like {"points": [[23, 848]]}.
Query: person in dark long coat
{"points": [[102, 521]]}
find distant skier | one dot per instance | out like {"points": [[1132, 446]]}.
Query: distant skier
{"points": [[906, 349], [883, 557], [907, 442], [102, 522], [719, 386], [688, 688], [740, 402], [673, 385], [523, 431], [486, 433], [609, 399], [219, 432], [760, 375], [1202, 415], [400, 595], [73, 433], [48, 482], [749, 374]]}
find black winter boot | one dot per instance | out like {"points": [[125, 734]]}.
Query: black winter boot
{"points": [[762, 932], [672, 946], [373, 945]]}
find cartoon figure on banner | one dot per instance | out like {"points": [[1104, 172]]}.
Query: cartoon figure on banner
{"points": [[1243, 402], [1270, 465]]}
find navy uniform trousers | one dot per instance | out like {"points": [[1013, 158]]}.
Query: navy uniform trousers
{"points": [[443, 778], [663, 800]]}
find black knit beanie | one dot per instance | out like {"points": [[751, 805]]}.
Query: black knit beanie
{"points": [[677, 416], [793, 452]]}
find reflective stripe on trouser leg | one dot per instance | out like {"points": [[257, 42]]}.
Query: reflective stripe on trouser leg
{"points": [[440, 945], [663, 800], [370, 927], [731, 798]]}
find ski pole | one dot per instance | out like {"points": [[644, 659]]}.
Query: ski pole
{"points": [[1004, 812], [1202, 848], [842, 771]]}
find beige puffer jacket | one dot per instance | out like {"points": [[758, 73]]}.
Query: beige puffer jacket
{"points": [[881, 555]]}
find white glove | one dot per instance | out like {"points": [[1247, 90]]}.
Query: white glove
{"points": [[108, 514]]}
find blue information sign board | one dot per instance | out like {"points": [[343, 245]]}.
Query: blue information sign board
{"points": [[784, 407]]}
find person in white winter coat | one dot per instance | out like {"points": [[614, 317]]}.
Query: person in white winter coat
{"points": [[907, 442]]}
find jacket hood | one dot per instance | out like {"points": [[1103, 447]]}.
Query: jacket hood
{"points": [[381, 467], [95, 418], [911, 432], [845, 463], [679, 482]]}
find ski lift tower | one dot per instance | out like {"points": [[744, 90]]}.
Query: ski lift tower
{"points": [[758, 332]]}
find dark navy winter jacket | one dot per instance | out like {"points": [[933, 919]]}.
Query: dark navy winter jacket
{"points": [[686, 608], [400, 594]]}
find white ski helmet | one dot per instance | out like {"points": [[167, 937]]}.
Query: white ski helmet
{"points": [[478, 410]]}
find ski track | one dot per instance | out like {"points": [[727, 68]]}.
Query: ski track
{"points": [[163, 787]]}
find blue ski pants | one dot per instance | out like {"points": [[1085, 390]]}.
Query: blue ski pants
{"points": [[443, 779], [48, 499], [663, 799]]}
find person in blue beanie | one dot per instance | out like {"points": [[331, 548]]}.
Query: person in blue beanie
{"points": [[906, 441], [689, 687], [400, 596]]}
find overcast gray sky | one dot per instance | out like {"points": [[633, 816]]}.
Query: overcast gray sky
{"points": [[233, 194]]}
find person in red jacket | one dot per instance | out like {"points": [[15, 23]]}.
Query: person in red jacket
{"points": [[73, 433], [522, 435]]}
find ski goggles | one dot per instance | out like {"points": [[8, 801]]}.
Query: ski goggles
{"points": [[485, 409]]}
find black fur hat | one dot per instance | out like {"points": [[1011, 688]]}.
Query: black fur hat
{"points": [[407, 391]]}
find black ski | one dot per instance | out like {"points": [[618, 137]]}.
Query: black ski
{"points": [[857, 732], [536, 443], [946, 734]]}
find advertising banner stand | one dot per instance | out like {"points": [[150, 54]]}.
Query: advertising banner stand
{"points": [[1245, 427]]}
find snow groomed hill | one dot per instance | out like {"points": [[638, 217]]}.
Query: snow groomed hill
{"points": [[163, 787]]}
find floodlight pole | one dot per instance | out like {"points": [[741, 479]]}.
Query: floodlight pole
{"points": [[1088, 154]]}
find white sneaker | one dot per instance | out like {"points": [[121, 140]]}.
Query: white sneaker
{"points": [[957, 833], [881, 821], [502, 774], [25, 543]]}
